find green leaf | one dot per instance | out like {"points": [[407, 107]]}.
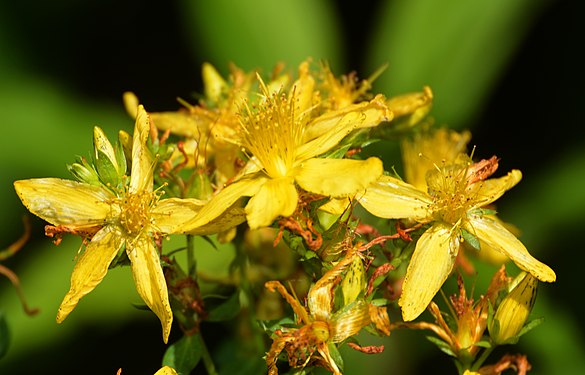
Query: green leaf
{"points": [[457, 47], [184, 354], [4, 335], [442, 345], [226, 310], [259, 33], [470, 239]]}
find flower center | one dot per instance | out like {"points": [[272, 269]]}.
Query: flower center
{"points": [[451, 198], [272, 133], [135, 211], [320, 331]]}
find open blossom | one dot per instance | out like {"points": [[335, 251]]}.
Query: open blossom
{"points": [[453, 205], [124, 218], [283, 157]]}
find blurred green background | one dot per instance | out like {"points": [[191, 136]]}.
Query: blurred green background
{"points": [[507, 70]]}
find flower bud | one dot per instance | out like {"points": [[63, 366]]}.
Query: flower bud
{"points": [[84, 172], [514, 309], [214, 84], [108, 163]]}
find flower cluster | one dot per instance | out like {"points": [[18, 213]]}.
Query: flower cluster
{"points": [[279, 165]]}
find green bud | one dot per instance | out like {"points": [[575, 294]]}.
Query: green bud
{"points": [[514, 309], [105, 159], [354, 281], [83, 172], [125, 142]]}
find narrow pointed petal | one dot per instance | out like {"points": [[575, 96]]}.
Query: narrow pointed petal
{"points": [[91, 268], [222, 201], [431, 264], [170, 214], [338, 177], [65, 202], [340, 129], [363, 115], [499, 238], [391, 198], [320, 296], [142, 166], [276, 197], [349, 321], [150, 281], [490, 190]]}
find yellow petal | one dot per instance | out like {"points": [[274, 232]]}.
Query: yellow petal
{"points": [[338, 177], [222, 201], [169, 214], [336, 206], [499, 238], [349, 321], [320, 296], [150, 281], [488, 191], [166, 370], [431, 264], [361, 115], [65, 202], [91, 268], [142, 167], [391, 198], [276, 197], [303, 92], [340, 125]]}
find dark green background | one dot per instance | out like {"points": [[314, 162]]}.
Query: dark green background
{"points": [[509, 71]]}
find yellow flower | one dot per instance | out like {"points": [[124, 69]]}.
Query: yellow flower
{"points": [[321, 328], [456, 194], [116, 219], [429, 148], [283, 156]]}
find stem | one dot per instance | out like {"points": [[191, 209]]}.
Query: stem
{"points": [[191, 262], [482, 358], [206, 357]]}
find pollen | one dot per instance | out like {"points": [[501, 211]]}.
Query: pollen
{"points": [[451, 196], [272, 132], [135, 210]]}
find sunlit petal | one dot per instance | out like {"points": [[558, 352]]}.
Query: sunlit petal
{"points": [[317, 146], [363, 115], [142, 167], [338, 177], [392, 198], [65, 202], [431, 264], [91, 268], [499, 238], [150, 280], [488, 191], [276, 197], [170, 214], [222, 201]]}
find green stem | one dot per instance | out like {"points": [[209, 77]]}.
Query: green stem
{"points": [[486, 353], [206, 357]]}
